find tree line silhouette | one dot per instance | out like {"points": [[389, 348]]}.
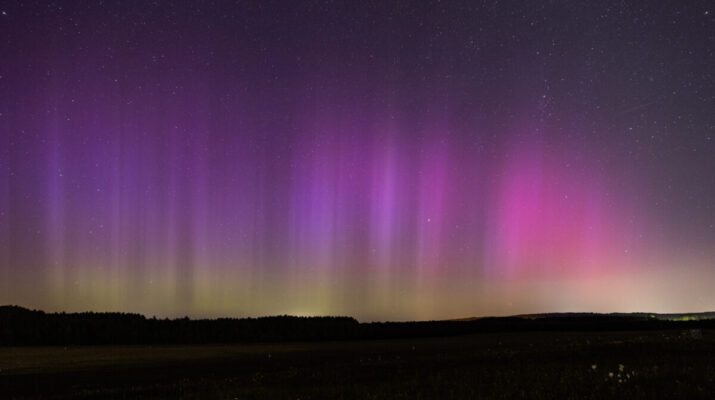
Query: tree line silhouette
{"points": [[20, 326]]}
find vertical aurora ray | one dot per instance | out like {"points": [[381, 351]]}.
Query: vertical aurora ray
{"points": [[249, 161]]}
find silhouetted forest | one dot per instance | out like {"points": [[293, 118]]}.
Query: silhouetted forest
{"points": [[20, 326]]}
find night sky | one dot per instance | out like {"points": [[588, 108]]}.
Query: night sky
{"points": [[387, 160]]}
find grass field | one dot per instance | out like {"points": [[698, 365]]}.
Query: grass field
{"points": [[540, 365]]}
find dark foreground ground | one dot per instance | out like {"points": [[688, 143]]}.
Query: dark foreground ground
{"points": [[675, 364]]}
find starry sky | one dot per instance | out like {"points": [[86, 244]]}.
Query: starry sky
{"points": [[387, 160]]}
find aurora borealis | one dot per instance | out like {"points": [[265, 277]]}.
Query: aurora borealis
{"points": [[384, 160]]}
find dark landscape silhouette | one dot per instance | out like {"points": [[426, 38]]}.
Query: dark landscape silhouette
{"points": [[21, 326], [572, 355]]}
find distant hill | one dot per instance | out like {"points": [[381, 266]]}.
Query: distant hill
{"points": [[676, 317], [663, 317], [638, 315], [20, 326]]}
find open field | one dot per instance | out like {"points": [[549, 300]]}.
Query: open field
{"points": [[534, 365]]}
